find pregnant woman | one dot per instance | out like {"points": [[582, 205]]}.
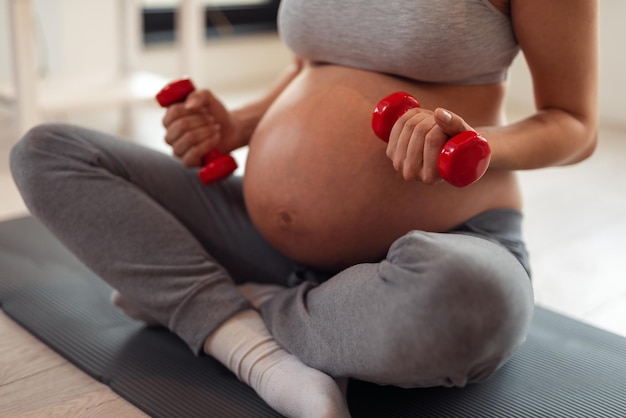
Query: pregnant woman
{"points": [[336, 255]]}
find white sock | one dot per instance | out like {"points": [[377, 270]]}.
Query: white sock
{"points": [[245, 346], [258, 293]]}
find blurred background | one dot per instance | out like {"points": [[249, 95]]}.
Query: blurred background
{"points": [[99, 63]]}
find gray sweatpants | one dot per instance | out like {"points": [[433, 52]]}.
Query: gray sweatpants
{"points": [[440, 309]]}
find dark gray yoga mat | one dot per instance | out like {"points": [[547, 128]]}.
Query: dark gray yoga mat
{"points": [[565, 369]]}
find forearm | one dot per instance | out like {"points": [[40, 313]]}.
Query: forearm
{"points": [[249, 115], [551, 137]]}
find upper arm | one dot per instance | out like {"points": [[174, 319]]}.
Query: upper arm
{"points": [[559, 41]]}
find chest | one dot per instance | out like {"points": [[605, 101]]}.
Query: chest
{"points": [[449, 41]]}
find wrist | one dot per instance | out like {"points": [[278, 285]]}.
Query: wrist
{"points": [[245, 121]]}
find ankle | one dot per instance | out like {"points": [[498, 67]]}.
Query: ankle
{"points": [[259, 293], [244, 345]]}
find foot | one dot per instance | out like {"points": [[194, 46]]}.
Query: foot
{"points": [[245, 346], [131, 310]]}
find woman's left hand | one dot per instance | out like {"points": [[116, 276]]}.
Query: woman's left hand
{"points": [[417, 139]]}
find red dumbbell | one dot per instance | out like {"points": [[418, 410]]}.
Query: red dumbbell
{"points": [[464, 158], [215, 165]]}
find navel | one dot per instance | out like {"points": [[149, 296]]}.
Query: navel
{"points": [[285, 219]]}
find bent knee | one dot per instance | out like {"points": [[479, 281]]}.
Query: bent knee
{"points": [[36, 145], [470, 304], [39, 135], [39, 161]]}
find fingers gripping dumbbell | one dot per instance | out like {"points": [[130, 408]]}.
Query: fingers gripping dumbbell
{"points": [[216, 166], [464, 158]]}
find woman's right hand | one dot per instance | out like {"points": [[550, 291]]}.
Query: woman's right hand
{"points": [[198, 125]]}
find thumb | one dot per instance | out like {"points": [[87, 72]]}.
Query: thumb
{"points": [[450, 123], [200, 98], [195, 100]]}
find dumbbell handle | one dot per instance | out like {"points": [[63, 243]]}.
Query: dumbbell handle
{"points": [[215, 165], [464, 157]]}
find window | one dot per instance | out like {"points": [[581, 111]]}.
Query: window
{"points": [[221, 17]]}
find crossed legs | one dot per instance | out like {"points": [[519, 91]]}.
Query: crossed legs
{"points": [[441, 309], [145, 224]]}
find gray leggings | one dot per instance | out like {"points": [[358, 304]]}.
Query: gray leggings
{"points": [[440, 309]]}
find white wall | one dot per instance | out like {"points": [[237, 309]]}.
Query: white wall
{"points": [[78, 36], [4, 40], [72, 36], [233, 63], [613, 61]]}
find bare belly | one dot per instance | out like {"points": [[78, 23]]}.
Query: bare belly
{"points": [[319, 186]]}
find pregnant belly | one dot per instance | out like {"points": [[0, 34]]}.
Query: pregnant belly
{"points": [[319, 186]]}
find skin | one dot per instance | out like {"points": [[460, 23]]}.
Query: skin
{"points": [[325, 191]]}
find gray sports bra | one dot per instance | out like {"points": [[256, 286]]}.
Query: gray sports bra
{"points": [[439, 41]]}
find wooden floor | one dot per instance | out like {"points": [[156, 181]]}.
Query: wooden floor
{"points": [[37, 382], [575, 228]]}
